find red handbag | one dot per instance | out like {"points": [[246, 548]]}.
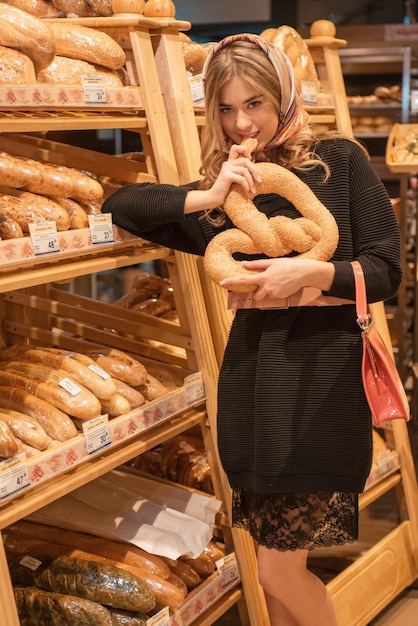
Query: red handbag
{"points": [[382, 384]]}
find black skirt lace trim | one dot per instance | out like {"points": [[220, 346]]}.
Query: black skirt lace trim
{"points": [[297, 521]]}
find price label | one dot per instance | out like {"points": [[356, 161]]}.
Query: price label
{"points": [[196, 88], [101, 228], [309, 92], [94, 88], [70, 386], [97, 434], [194, 388], [14, 475], [228, 570], [162, 618], [98, 370], [44, 237]]}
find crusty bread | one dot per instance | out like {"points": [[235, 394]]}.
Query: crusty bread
{"points": [[28, 34], [87, 44], [16, 68], [66, 71]]}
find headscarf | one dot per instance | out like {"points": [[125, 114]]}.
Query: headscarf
{"points": [[292, 115]]}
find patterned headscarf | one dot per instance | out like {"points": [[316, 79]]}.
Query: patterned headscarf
{"points": [[292, 115]]}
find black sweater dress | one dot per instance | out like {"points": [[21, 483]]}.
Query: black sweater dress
{"points": [[292, 414]]}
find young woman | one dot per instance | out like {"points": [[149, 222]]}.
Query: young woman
{"points": [[294, 428]]}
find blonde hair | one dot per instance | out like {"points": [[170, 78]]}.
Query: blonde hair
{"points": [[242, 58]]}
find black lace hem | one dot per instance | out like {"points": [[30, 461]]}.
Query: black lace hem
{"points": [[297, 520]]}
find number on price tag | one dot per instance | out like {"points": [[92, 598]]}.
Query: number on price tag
{"points": [[14, 475], [101, 228], [44, 237], [97, 434]]}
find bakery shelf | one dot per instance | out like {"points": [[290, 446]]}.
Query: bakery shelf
{"points": [[79, 474]]}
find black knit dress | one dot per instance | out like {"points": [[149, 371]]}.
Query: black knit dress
{"points": [[293, 421]]}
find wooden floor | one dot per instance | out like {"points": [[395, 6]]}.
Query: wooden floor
{"points": [[375, 522]]}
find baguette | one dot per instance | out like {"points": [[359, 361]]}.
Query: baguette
{"points": [[86, 373], [187, 573], [134, 397], [87, 44], [91, 580], [203, 564], [52, 387], [25, 428], [56, 423], [36, 606], [165, 592], [124, 552], [86, 189], [120, 365], [9, 229], [26, 208], [78, 216]]}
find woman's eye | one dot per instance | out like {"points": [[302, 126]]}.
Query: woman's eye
{"points": [[254, 103], [225, 110]]}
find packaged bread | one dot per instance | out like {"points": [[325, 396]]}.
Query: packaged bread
{"points": [[16, 68], [88, 44], [28, 34], [67, 71], [27, 208]]}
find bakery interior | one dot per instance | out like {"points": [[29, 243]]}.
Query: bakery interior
{"points": [[92, 293]]}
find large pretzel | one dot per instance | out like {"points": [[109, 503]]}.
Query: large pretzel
{"points": [[314, 236]]}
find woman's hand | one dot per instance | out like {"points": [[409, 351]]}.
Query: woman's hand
{"points": [[238, 169], [284, 276]]}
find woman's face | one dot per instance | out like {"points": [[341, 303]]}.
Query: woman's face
{"points": [[246, 112]]}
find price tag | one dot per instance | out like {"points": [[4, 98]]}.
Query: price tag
{"points": [[98, 370], [196, 88], [97, 434], [194, 388], [44, 237], [70, 386], [309, 92], [162, 618], [14, 475], [228, 570], [101, 228], [94, 88]]}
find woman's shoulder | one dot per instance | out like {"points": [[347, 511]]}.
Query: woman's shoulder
{"points": [[341, 147]]}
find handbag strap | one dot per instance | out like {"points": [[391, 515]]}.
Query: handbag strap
{"points": [[363, 316]]}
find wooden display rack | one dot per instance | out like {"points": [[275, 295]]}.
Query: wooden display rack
{"points": [[151, 124], [367, 586]]}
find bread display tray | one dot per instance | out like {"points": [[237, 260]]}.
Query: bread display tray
{"points": [[77, 242], [52, 97], [65, 456], [402, 149], [203, 597]]}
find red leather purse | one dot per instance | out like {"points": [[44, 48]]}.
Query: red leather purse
{"points": [[382, 384]]}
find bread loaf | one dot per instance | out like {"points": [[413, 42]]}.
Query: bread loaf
{"points": [[16, 68], [75, 8], [25, 428], [36, 606], [38, 8], [78, 216], [9, 229], [85, 373], [26, 208], [87, 44], [28, 34], [53, 386], [65, 71], [55, 422], [120, 365], [8, 443]]}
